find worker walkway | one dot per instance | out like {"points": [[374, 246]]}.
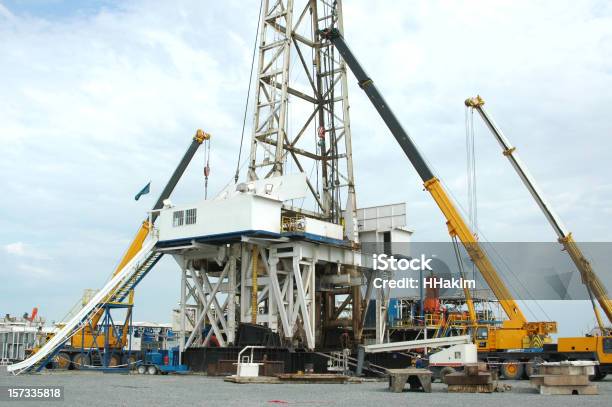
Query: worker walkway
{"points": [[115, 290]]}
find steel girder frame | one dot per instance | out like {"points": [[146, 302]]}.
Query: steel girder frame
{"points": [[285, 291], [301, 111], [207, 298], [285, 288]]}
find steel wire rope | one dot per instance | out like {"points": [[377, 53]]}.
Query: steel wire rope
{"points": [[246, 104]]}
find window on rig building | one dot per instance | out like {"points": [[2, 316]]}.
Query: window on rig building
{"points": [[190, 216], [178, 218]]}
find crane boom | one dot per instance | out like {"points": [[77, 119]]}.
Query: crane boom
{"points": [[197, 140], [477, 103], [146, 225], [589, 278], [457, 226]]}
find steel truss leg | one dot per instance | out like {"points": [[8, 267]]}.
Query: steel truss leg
{"points": [[292, 288], [212, 296], [382, 303]]}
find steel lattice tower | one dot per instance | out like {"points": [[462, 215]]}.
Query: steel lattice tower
{"points": [[301, 115]]}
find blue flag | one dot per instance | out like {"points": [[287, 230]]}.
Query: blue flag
{"points": [[143, 191]]}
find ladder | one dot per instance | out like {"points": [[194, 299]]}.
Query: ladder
{"points": [[115, 289], [141, 272]]}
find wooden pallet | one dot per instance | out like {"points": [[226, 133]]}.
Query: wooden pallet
{"points": [[312, 378], [252, 380], [299, 378]]}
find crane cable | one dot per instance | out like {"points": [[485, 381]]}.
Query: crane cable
{"points": [[473, 205], [464, 213], [206, 167], [470, 148], [246, 105], [471, 184], [468, 296], [471, 170]]}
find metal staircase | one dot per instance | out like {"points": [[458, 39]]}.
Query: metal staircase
{"points": [[146, 266], [115, 290]]}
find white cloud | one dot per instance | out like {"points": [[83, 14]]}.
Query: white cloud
{"points": [[21, 249], [17, 249], [5, 13], [542, 68], [94, 105], [34, 270]]}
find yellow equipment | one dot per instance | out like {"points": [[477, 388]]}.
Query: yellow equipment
{"points": [[89, 336], [515, 332], [593, 284], [589, 278]]}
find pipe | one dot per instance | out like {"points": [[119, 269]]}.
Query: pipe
{"points": [[254, 288]]}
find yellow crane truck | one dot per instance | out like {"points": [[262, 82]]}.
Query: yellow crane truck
{"points": [[76, 353], [590, 347], [516, 343]]}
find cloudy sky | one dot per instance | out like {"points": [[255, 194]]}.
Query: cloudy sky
{"points": [[99, 97]]}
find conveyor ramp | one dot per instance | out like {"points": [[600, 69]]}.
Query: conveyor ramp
{"points": [[115, 290]]}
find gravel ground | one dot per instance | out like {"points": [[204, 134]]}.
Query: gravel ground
{"points": [[90, 389]]}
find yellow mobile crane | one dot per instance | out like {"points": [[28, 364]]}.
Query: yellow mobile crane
{"points": [[601, 344], [515, 333], [90, 337]]}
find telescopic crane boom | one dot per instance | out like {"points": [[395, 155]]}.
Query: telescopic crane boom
{"points": [[87, 337], [516, 332], [592, 282]]}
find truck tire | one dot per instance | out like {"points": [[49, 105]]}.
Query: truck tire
{"points": [[511, 370], [80, 361], [114, 360], [142, 369], [152, 370], [61, 361], [532, 366]]}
